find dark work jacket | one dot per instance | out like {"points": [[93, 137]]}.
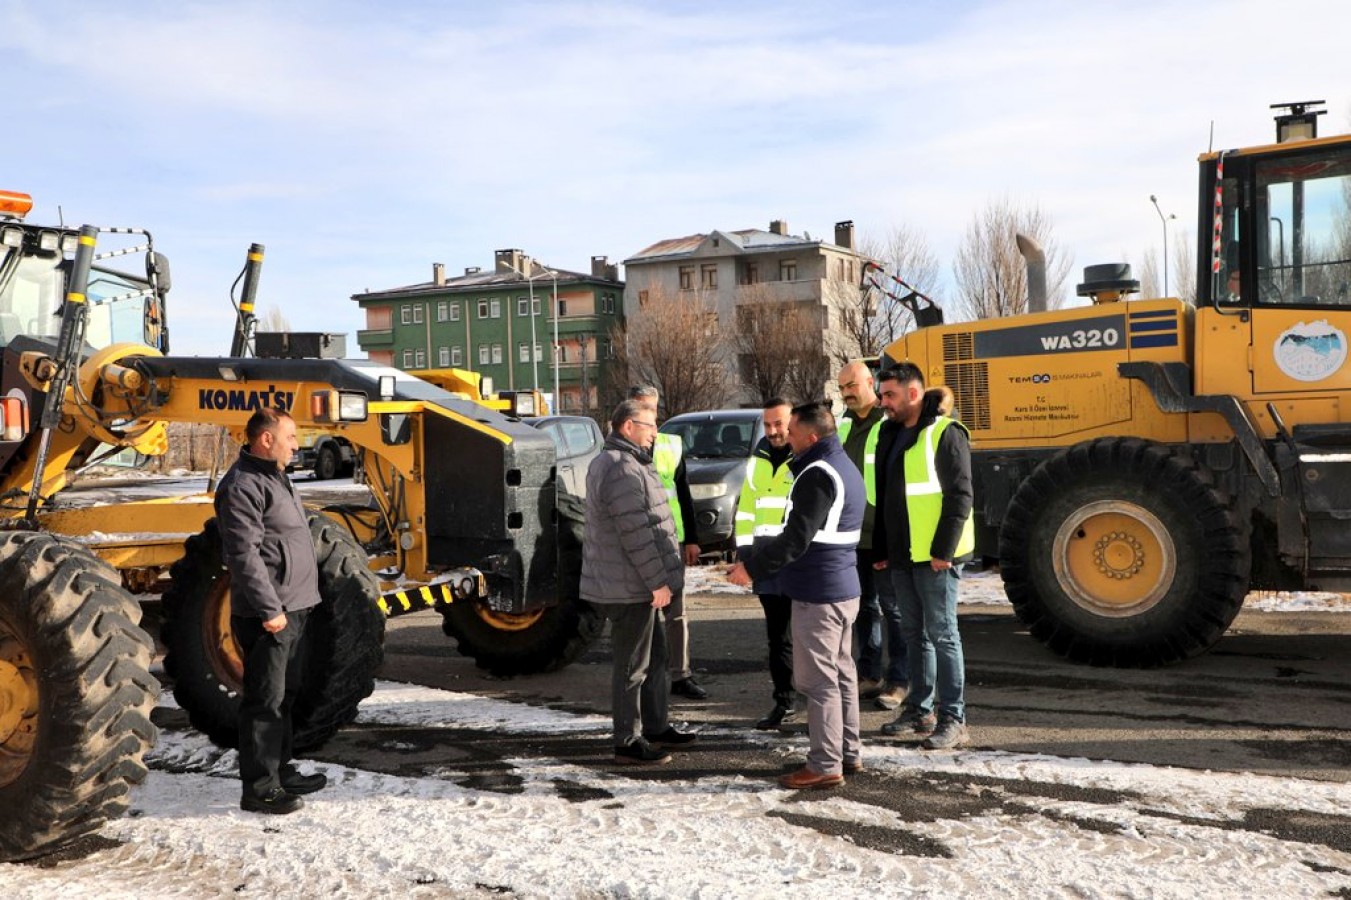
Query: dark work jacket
{"points": [[629, 546], [265, 540], [952, 460], [686, 501], [807, 570], [854, 446]]}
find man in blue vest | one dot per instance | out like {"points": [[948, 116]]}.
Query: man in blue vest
{"points": [[759, 519], [922, 532], [668, 457], [860, 429], [815, 559]]}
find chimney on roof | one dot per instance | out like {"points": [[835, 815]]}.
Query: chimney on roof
{"points": [[509, 261], [600, 267], [438, 274], [778, 226], [472, 270], [844, 234]]}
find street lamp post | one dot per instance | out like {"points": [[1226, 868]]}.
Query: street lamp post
{"points": [[1155, 200], [530, 282]]}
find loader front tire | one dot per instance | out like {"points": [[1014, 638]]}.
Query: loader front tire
{"points": [[343, 643], [1120, 552], [75, 694]]}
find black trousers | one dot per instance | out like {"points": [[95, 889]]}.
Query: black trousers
{"points": [[272, 668], [779, 629], [640, 685]]}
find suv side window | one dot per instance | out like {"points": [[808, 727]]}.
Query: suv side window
{"points": [[578, 437]]}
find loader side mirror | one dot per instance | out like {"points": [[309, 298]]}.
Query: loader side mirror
{"points": [[157, 270], [395, 428]]}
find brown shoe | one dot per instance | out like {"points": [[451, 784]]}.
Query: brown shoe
{"points": [[805, 779], [853, 767], [869, 688], [891, 697]]}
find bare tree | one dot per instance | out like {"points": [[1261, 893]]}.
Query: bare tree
{"points": [[273, 320], [1148, 275], [870, 320], [990, 274], [673, 343], [780, 346], [1182, 269]]}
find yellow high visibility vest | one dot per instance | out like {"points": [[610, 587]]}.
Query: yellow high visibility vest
{"points": [[924, 495], [869, 454], [666, 453], [763, 504]]}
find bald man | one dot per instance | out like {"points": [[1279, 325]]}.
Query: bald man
{"points": [[859, 429]]}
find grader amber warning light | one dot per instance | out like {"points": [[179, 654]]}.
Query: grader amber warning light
{"points": [[1141, 464]]}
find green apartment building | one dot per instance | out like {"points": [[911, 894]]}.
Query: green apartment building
{"points": [[505, 324]]}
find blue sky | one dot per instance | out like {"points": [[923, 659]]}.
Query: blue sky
{"points": [[363, 142]]}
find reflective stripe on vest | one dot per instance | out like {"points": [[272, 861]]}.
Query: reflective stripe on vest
{"points": [[763, 502], [869, 454], [666, 453], [830, 533], [924, 495]]}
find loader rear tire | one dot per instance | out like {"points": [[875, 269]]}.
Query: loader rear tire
{"points": [[540, 641], [75, 694], [344, 639], [327, 463], [1120, 552]]}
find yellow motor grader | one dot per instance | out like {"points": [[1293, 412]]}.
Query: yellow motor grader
{"points": [[464, 519], [1141, 465]]}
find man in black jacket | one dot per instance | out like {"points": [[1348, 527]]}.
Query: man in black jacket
{"points": [[274, 583], [922, 532]]}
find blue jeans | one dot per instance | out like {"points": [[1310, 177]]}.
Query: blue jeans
{"points": [[898, 665], [928, 605], [868, 625]]}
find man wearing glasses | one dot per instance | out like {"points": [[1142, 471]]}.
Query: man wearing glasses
{"points": [[631, 567]]}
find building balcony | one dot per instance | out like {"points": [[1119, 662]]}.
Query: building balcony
{"points": [[375, 338]]}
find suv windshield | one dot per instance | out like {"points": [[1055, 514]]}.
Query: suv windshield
{"points": [[713, 438]]}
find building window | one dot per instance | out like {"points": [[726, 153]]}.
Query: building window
{"points": [[456, 356], [562, 308], [483, 309], [524, 351], [408, 359], [417, 314], [752, 273], [497, 353], [443, 357], [562, 353], [609, 348], [405, 315], [708, 276], [522, 307], [788, 270], [455, 312], [687, 278], [483, 354], [420, 359], [642, 299], [539, 352], [495, 308], [442, 310]]}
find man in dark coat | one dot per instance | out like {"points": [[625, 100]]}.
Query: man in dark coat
{"points": [[274, 583], [631, 566]]}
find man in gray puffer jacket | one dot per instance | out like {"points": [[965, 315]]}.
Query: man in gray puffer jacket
{"points": [[631, 564]]}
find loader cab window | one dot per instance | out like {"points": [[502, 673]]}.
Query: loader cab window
{"points": [[1304, 229], [32, 287], [116, 309]]}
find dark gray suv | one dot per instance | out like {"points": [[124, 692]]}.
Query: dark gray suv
{"points": [[718, 445]]}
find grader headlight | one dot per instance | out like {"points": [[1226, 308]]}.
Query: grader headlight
{"points": [[11, 237], [329, 407]]}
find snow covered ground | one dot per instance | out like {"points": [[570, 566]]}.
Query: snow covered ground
{"points": [[1114, 830]]}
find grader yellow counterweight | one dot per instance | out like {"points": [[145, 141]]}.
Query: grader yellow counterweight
{"points": [[463, 519], [1141, 465]]}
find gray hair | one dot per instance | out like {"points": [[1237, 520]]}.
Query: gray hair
{"points": [[644, 392], [624, 412]]}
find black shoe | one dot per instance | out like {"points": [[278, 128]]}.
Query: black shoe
{"points": [[776, 717], [641, 753], [671, 738], [275, 802], [303, 784], [688, 688]]}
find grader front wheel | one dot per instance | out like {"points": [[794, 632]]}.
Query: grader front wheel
{"points": [[75, 694]]}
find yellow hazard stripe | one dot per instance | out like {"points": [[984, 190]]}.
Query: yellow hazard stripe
{"points": [[400, 602], [255, 257], [246, 307], [86, 240], [73, 297]]}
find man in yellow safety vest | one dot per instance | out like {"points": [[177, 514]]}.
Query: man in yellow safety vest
{"points": [[668, 458], [759, 518]]}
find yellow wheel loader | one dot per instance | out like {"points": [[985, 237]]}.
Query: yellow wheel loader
{"points": [[464, 518], [1141, 465]]}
